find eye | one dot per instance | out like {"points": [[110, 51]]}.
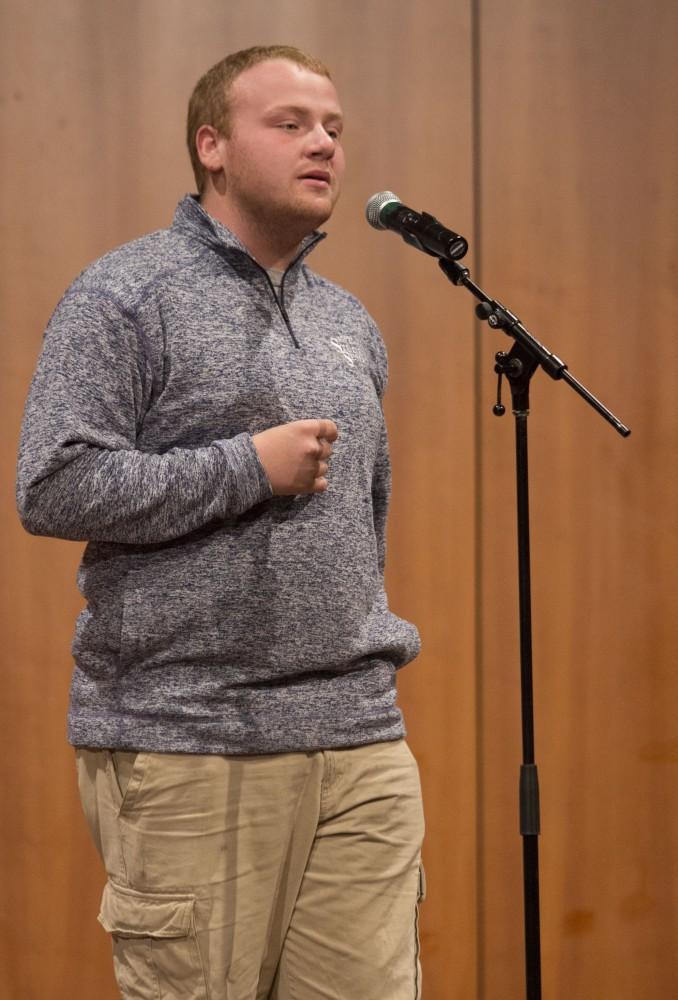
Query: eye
{"points": [[288, 126]]}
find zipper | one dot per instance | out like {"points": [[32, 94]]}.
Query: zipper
{"points": [[281, 305], [280, 302]]}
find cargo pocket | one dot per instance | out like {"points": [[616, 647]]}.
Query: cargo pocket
{"points": [[155, 950]]}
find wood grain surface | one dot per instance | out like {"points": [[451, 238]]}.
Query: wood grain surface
{"points": [[545, 133]]}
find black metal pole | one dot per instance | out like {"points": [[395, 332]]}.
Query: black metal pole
{"points": [[529, 784]]}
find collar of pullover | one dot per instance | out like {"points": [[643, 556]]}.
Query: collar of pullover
{"points": [[191, 216]]}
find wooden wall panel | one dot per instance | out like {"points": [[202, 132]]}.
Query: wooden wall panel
{"points": [[579, 197], [91, 122]]}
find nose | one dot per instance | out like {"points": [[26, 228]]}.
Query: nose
{"points": [[321, 143]]}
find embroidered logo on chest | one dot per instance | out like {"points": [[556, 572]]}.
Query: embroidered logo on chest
{"points": [[345, 350]]}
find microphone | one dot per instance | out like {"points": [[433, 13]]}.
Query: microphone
{"points": [[386, 211]]}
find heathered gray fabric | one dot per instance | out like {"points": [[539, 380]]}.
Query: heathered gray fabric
{"points": [[219, 619]]}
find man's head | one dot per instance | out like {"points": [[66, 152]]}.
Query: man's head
{"points": [[210, 102], [263, 132]]}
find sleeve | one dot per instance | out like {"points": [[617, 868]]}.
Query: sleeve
{"points": [[80, 474], [381, 494], [381, 473]]}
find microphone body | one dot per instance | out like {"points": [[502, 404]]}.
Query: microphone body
{"points": [[419, 229]]}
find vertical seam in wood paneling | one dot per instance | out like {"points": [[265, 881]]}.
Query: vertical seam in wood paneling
{"points": [[476, 153]]}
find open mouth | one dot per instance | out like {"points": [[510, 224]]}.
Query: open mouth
{"points": [[319, 177]]}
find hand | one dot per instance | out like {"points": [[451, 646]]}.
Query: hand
{"points": [[295, 455]]}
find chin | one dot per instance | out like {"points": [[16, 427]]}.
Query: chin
{"points": [[307, 217], [319, 211]]}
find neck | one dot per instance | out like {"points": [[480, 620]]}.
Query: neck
{"points": [[271, 246]]}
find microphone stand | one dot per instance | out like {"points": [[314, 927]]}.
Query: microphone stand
{"points": [[518, 366]]}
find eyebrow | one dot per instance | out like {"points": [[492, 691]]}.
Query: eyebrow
{"points": [[298, 110]]}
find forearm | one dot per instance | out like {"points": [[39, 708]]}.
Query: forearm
{"points": [[125, 495]]}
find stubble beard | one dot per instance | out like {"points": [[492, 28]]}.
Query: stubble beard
{"points": [[292, 220], [282, 220]]}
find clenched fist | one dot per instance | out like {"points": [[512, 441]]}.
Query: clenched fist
{"points": [[295, 455]]}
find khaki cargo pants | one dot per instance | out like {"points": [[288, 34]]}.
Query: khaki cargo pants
{"points": [[285, 877]]}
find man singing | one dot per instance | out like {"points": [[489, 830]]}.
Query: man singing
{"points": [[206, 414]]}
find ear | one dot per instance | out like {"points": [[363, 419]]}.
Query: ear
{"points": [[211, 148]]}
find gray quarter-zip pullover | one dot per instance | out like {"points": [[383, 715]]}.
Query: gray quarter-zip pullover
{"points": [[219, 618]]}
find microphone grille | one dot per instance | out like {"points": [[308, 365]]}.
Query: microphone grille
{"points": [[375, 205]]}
